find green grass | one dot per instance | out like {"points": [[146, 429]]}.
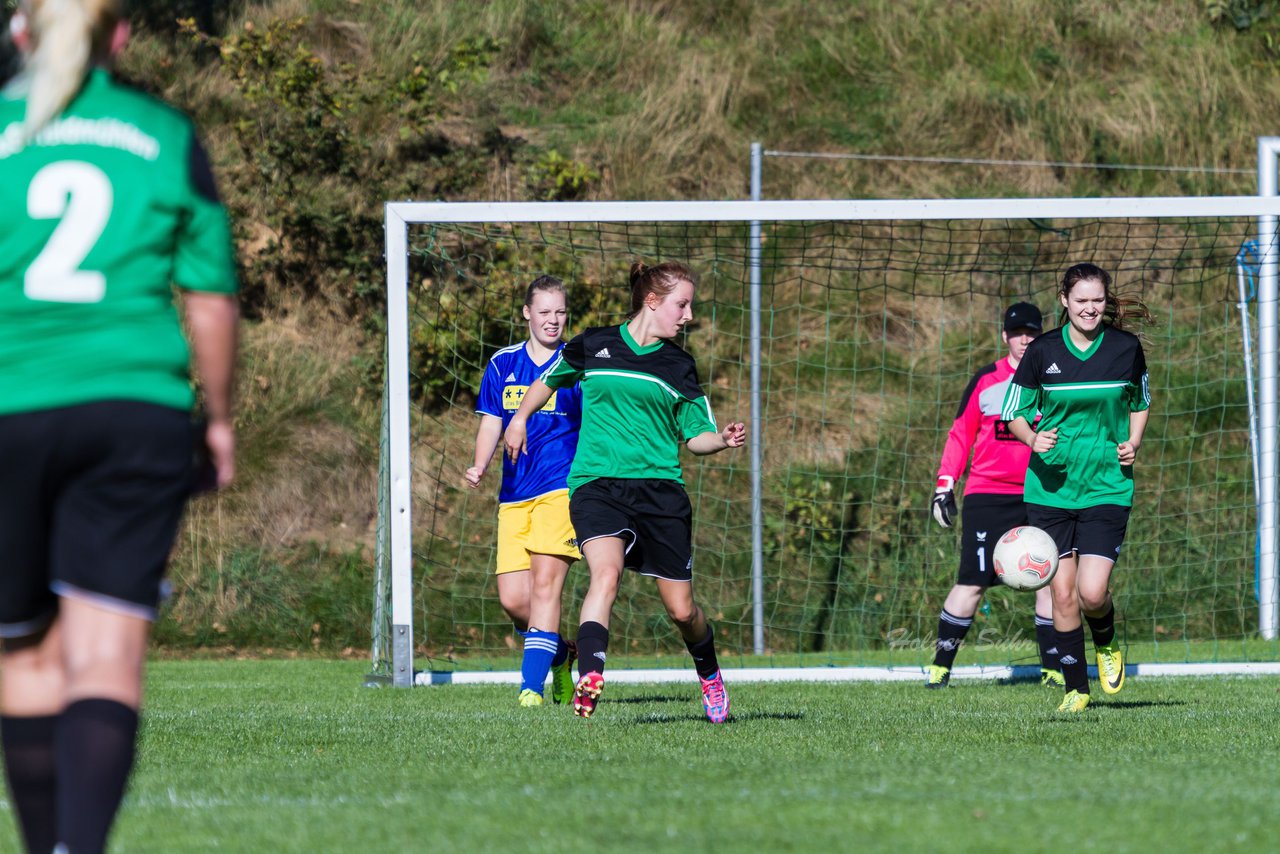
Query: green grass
{"points": [[294, 756], [987, 649]]}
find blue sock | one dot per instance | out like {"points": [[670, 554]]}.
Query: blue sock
{"points": [[539, 649]]}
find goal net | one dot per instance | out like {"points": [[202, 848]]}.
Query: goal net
{"points": [[870, 318]]}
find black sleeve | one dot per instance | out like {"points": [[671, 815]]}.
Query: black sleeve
{"points": [[200, 172], [575, 352], [1139, 365], [1027, 374], [693, 388], [969, 389]]}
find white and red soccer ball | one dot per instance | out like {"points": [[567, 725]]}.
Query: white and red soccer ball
{"points": [[1025, 558]]}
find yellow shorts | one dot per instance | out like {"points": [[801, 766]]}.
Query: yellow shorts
{"points": [[539, 526]]}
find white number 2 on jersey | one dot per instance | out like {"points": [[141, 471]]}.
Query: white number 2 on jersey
{"points": [[79, 195]]}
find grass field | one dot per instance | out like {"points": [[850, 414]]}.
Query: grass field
{"points": [[294, 756], [910, 651]]}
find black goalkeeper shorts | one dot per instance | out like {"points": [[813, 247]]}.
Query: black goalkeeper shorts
{"points": [[984, 519]]}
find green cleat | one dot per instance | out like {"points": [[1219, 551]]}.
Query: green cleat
{"points": [[937, 676], [562, 678], [1110, 668], [530, 698], [1052, 678], [1074, 703]]}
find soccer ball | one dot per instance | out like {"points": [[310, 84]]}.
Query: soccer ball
{"points": [[1025, 558]]}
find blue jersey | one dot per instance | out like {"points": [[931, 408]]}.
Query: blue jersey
{"points": [[552, 430]]}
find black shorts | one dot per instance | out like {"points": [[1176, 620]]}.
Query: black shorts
{"points": [[90, 501], [653, 517], [1097, 531], [984, 519]]}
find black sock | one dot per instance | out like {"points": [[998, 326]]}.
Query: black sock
{"points": [[951, 632], [33, 789], [94, 754], [704, 654], [1047, 640], [1071, 653], [593, 641], [1103, 628]]}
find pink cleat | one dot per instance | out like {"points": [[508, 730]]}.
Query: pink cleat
{"points": [[715, 700], [586, 693]]}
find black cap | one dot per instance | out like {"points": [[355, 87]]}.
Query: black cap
{"points": [[1023, 315]]}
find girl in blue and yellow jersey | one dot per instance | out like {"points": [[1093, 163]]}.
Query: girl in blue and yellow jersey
{"points": [[536, 543]]}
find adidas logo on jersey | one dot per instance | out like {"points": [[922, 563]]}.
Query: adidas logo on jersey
{"points": [[1053, 369], [510, 378], [603, 354]]}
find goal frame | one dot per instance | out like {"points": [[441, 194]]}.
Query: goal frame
{"points": [[400, 216]]}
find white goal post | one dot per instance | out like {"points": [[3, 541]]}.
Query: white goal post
{"points": [[400, 217]]}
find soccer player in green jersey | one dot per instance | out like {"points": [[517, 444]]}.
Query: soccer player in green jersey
{"points": [[640, 399], [106, 204], [1088, 381]]}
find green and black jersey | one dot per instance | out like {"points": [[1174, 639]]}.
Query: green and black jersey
{"points": [[1088, 396], [638, 405], [107, 209]]}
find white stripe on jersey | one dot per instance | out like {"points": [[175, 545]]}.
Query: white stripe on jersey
{"points": [[637, 375], [1012, 401], [1081, 386], [510, 349]]}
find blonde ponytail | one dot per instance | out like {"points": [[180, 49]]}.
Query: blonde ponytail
{"points": [[66, 35]]}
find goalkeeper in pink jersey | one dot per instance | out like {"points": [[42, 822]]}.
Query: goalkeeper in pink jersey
{"points": [[993, 500]]}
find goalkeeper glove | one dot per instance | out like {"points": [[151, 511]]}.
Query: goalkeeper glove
{"points": [[944, 503]]}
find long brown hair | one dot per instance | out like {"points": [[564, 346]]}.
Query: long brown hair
{"points": [[67, 37], [1117, 310], [660, 279]]}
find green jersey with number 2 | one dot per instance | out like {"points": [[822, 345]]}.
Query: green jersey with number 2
{"points": [[106, 210]]}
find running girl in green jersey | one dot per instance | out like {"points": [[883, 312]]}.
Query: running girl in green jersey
{"points": [[1088, 381], [640, 399], [106, 204]]}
